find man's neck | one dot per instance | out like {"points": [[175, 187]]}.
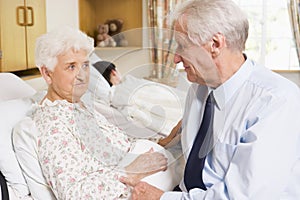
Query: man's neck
{"points": [[229, 64]]}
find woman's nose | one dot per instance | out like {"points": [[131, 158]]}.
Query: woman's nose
{"points": [[82, 74]]}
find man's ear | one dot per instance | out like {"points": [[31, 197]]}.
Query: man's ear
{"points": [[218, 42], [46, 74]]}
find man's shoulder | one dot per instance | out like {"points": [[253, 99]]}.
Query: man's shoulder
{"points": [[274, 83]]}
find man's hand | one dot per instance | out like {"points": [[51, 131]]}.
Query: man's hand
{"points": [[144, 191]]}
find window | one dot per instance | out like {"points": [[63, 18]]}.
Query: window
{"points": [[271, 41]]}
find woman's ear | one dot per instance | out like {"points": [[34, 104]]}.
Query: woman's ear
{"points": [[46, 74], [218, 42]]}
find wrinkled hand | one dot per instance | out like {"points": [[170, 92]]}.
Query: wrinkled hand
{"points": [[144, 165], [144, 191]]}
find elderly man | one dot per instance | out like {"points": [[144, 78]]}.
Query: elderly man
{"points": [[240, 129]]}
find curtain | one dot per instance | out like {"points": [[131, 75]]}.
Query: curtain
{"points": [[294, 13], [161, 41]]}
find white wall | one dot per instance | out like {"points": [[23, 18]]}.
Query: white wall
{"points": [[62, 12]]}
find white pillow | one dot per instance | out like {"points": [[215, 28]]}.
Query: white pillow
{"points": [[38, 83], [98, 86], [12, 112], [14, 88], [24, 140]]}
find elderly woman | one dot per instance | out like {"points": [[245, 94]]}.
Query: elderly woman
{"points": [[79, 150]]}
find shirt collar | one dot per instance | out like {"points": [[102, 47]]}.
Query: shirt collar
{"points": [[224, 92]]}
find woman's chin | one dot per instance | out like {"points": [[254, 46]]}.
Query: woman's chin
{"points": [[78, 93]]}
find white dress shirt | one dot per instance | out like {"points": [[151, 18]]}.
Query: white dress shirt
{"points": [[256, 130]]}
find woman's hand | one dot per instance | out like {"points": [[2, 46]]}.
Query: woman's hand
{"points": [[144, 165]]}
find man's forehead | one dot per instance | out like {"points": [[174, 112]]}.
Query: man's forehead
{"points": [[179, 33], [182, 38]]}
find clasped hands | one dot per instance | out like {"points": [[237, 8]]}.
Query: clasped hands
{"points": [[144, 165]]}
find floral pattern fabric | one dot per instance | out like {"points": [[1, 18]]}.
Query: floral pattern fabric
{"points": [[79, 151]]}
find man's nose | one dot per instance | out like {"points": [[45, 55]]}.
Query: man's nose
{"points": [[177, 58]]}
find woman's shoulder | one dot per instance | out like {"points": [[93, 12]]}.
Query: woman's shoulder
{"points": [[49, 111]]}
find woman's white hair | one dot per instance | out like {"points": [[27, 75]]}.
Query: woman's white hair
{"points": [[52, 44], [201, 19]]}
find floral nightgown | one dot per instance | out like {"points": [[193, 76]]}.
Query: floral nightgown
{"points": [[79, 151]]}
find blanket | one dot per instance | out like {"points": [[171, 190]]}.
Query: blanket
{"points": [[149, 104]]}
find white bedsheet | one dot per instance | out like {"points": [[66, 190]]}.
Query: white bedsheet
{"points": [[148, 104], [130, 127]]}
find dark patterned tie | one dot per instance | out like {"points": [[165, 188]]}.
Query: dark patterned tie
{"points": [[196, 159]]}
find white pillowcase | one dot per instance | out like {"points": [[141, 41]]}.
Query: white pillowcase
{"points": [[12, 112], [14, 88], [98, 86], [13, 109], [25, 146]]}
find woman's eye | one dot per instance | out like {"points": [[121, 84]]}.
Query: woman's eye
{"points": [[85, 66], [72, 67]]}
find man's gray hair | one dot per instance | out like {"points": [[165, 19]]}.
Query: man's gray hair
{"points": [[201, 19]]}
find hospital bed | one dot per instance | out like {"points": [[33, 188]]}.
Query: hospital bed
{"points": [[143, 109]]}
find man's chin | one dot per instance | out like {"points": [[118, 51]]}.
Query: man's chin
{"points": [[191, 78]]}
